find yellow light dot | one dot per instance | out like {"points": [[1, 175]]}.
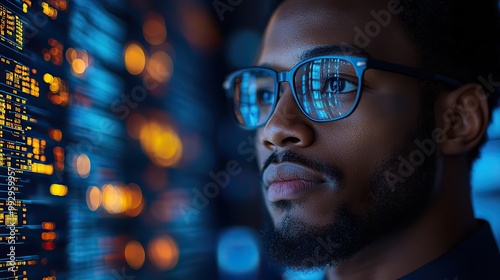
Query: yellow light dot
{"points": [[114, 199], [134, 254], [94, 198], [83, 165], [58, 190], [135, 59], [48, 78], [78, 66], [54, 87], [161, 143], [163, 252]]}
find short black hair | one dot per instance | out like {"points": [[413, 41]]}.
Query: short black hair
{"points": [[458, 38]]}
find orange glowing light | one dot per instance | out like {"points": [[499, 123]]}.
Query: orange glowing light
{"points": [[56, 134], [113, 199], [161, 143], [78, 66], [163, 252], [56, 99], [54, 87], [48, 225], [49, 236], [134, 254], [134, 212], [136, 193], [154, 29], [83, 165], [58, 151], [94, 198], [70, 55], [49, 245], [135, 58], [136, 204], [63, 5]]}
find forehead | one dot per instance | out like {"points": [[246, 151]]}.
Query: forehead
{"points": [[301, 25]]}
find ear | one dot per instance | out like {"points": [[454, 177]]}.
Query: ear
{"points": [[463, 115]]}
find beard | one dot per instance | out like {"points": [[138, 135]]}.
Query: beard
{"points": [[297, 245]]}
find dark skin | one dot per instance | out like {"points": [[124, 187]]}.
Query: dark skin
{"points": [[369, 136]]}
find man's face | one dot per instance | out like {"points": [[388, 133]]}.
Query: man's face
{"points": [[324, 184]]}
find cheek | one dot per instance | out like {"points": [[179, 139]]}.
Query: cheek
{"points": [[364, 140]]}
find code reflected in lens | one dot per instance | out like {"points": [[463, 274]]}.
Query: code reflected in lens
{"points": [[254, 97], [326, 88]]}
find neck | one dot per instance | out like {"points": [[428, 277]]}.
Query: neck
{"points": [[448, 219]]}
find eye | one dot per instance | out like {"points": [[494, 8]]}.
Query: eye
{"points": [[265, 96], [338, 85]]}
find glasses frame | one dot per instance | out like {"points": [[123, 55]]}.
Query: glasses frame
{"points": [[360, 64]]}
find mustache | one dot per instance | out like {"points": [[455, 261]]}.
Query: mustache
{"points": [[333, 172]]}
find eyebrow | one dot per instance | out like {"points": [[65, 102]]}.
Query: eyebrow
{"points": [[340, 49]]}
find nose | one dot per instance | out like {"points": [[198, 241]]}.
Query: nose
{"points": [[288, 126]]}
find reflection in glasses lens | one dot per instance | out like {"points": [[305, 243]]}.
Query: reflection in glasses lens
{"points": [[254, 97], [326, 89]]}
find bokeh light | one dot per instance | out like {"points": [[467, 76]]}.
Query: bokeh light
{"points": [[135, 198], [154, 29], [120, 198], [113, 199], [83, 165], [78, 66], [161, 143], [94, 198], [238, 251], [58, 190], [55, 134], [135, 58], [160, 66], [134, 254], [163, 252]]}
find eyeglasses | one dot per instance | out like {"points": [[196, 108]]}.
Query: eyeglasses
{"points": [[326, 88]]}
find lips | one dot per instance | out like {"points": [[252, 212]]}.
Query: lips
{"points": [[290, 181]]}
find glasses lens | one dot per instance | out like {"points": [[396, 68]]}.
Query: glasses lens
{"points": [[326, 88], [254, 97]]}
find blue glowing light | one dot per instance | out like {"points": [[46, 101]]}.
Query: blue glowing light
{"points": [[304, 275], [237, 251]]}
